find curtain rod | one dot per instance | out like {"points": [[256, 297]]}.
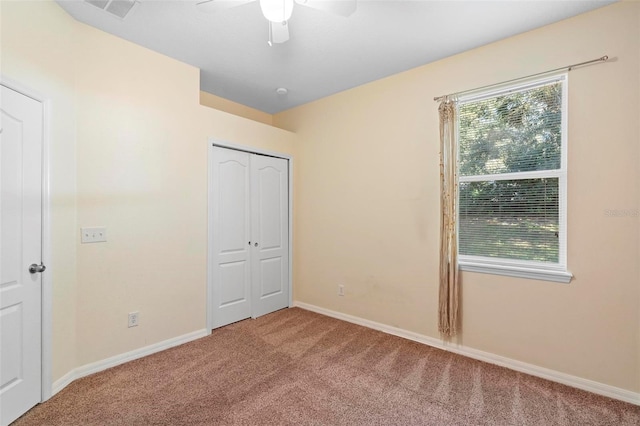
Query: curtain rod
{"points": [[567, 68]]}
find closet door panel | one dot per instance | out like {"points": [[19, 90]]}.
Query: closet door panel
{"points": [[231, 250], [270, 230]]}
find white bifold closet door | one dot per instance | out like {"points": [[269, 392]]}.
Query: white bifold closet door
{"points": [[250, 247]]}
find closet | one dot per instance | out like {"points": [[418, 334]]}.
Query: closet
{"points": [[249, 235]]}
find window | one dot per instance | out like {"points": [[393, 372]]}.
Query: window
{"points": [[512, 181]]}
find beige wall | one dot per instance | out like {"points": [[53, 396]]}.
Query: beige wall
{"points": [[129, 143], [222, 104], [367, 203]]}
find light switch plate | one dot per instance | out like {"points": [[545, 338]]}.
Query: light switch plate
{"points": [[96, 234]]}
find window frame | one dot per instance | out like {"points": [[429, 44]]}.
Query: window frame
{"points": [[545, 271]]}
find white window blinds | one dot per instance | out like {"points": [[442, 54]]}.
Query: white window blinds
{"points": [[512, 175]]}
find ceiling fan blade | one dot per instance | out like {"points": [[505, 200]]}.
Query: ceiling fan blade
{"points": [[212, 6], [279, 31], [337, 7]]}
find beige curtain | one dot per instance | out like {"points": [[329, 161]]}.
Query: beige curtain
{"points": [[448, 298]]}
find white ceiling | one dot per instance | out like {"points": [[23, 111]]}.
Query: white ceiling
{"points": [[326, 54]]}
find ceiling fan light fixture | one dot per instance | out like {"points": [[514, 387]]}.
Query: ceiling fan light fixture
{"points": [[277, 10]]}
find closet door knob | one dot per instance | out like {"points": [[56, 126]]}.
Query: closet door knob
{"points": [[255, 245], [34, 268]]}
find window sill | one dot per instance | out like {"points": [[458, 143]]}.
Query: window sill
{"points": [[517, 271]]}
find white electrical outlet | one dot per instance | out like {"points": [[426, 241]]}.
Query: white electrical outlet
{"points": [[134, 319], [340, 289], [96, 234]]}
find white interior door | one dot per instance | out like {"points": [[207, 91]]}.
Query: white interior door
{"points": [[249, 257], [20, 246], [230, 204], [269, 233]]}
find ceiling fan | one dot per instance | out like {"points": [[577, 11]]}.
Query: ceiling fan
{"points": [[278, 12]]}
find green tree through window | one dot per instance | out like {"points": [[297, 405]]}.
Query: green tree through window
{"points": [[510, 169]]}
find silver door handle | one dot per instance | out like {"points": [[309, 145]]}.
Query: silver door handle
{"points": [[35, 268], [255, 245]]}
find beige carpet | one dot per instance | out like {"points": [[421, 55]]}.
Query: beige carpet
{"points": [[298, 367]]}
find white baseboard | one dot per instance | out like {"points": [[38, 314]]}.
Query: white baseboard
{"points": [[523, 367], [97, 366]]}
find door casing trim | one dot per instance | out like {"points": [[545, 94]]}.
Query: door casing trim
{"points": [[211, 143], [47, 277]]}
